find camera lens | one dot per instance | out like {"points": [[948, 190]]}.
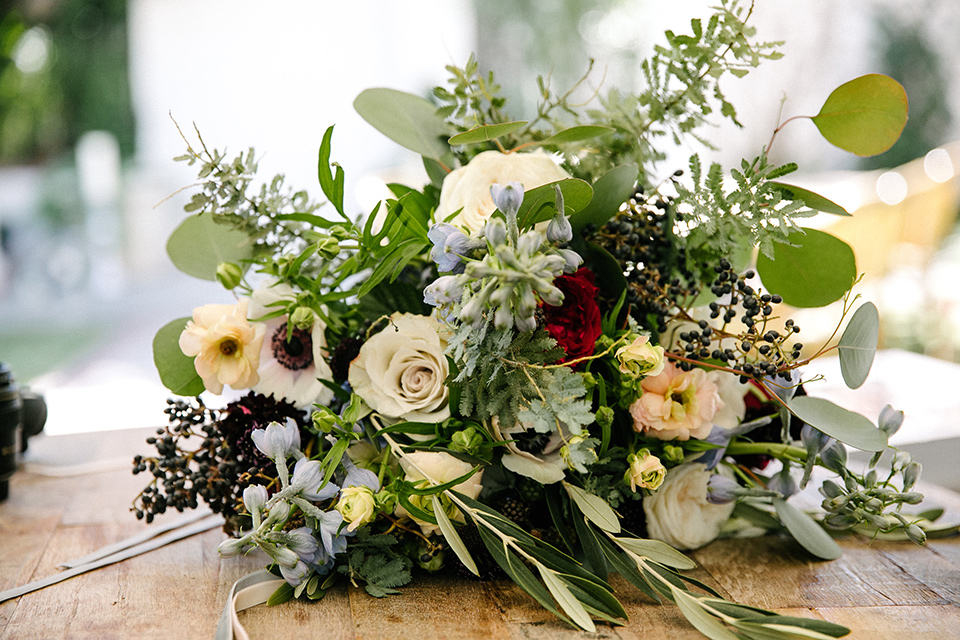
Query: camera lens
{"points": [[10, 409]]}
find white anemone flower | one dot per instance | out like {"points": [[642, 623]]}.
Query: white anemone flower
{"points": [[290, 368]]}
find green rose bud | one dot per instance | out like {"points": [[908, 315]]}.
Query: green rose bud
{"points": [[357, 505], [303, 318], [229, 275], [466, 441], [672, 453], [324, 420], [604, 417], [386, 501], [645, 471], [328, 248]]}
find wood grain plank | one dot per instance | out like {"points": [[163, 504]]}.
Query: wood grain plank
{"points": [[436, 606], [773, 572], [941, 622]]}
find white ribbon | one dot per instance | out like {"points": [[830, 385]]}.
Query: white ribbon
{"points": [[126, 550], [249, 591]]}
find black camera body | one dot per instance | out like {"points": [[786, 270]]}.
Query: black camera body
{"points": [[22, 415]]}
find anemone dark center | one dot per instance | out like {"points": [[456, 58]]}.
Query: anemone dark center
{"points": [[295, 353]]}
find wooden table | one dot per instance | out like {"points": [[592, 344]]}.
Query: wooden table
{"points": [[880, 590]]}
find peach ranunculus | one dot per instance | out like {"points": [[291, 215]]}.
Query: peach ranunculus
{"points": [[226, 345], [676, 405], [467, 189]]}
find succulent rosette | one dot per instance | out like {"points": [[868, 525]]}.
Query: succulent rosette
{"points": [[542, 354]]}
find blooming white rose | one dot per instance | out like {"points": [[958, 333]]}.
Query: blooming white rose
{"points": [[731, 392], [400, 371], [439, 467], [679, 514], [468, 188]]}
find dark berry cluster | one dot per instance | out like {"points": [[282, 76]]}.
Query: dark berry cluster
{"points": [[756, 351], [208, 455], [640, 237]]}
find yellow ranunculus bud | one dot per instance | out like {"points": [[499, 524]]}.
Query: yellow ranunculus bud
{"points": [[357, 505], [645, 471], [640, 358]]}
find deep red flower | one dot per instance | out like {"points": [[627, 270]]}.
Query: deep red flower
{"points": [[575, 324]]}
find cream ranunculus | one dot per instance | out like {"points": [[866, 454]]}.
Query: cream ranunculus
{"points": [[679, 514], [226, 345], [468, 188], [640, 358], [439, 467], [676, 404], [645, 471], [400, 372]]}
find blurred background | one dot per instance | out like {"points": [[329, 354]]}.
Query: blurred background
{"points": [[90, 90]]}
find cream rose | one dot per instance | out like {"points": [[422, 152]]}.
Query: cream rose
{"points": [[468, 188], [678, 512], [357, 505], [400, 371], [439, 467]]}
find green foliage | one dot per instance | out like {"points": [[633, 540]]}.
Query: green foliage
{"points": [[864, 116], [837, 422], [754, 213], [406, 119], [505, 377], [858, 345], [375, 560], [814, 270], [176, 370], [200, 244]]}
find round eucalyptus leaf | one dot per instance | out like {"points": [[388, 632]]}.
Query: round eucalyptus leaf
{"points": [[409, 120], [200, 244], [864, 116], [858, 345], [176, 370], [837, 422], [818, 270], [486, 132]]}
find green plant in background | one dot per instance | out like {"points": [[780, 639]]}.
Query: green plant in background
{"points": [[63, 72]]}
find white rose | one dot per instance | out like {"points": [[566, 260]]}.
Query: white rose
{"points": [[731, 392], [439, 467], [400, 372], [678, 512], [468, 188]]}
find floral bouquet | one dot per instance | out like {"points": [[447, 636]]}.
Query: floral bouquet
{"points": [[551, 362]]}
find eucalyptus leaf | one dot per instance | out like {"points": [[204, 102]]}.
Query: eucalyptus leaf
{"points": [[812, 200], [539, 204], [453, 538], [819, 270], [567, 601], [806, 531], [864, 116], [409, 120], [177, 371], [578, 134], [594, 508], [199, 244], [657, 551], [486, 132], [837, 422], [610, 191], [858, 345]]}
